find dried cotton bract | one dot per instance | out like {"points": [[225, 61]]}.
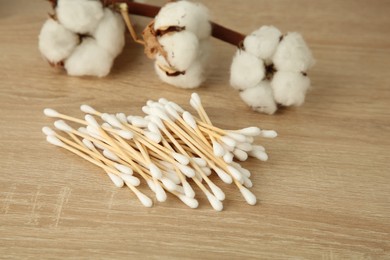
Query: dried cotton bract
{"points": [[83, 37], [178, 40], [271, 69]]}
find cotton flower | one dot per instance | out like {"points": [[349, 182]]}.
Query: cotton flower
{"points": [[271, 69], [178, 40], [63, 40]]}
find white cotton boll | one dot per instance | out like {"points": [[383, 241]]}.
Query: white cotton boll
{"points": [[89, 59], [290, 88], [260, 98], [204, 51], [79, 16], [293, 54], [110, 32], [181, 48], [192, 78], [56, 42], [263, 42], [246, 70], [193, 16]]}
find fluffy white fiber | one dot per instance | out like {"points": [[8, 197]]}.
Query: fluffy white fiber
{"points": [[89, 59], [193, 77], [290, 88], [193, 16], [263, 42], [260, 98], [56, 42], [80, 16], [246, 70], [293, 54], [110, 32], [271, 70], [182, 49], [91, 55]]}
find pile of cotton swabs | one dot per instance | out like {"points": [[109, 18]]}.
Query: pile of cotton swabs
{"points": [[169, 149]]}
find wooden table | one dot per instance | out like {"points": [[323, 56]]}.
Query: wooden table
{"points": [[324, 193]]}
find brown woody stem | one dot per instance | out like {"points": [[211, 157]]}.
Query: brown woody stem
{"points": [[219, 32]]}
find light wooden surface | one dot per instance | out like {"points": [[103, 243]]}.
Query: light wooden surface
{"points": [[324, 194]]}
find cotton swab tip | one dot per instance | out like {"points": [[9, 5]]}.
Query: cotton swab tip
{"points": [[110, 155], [190, 202], [153, 136], [155, 171], [145, 200], [218, 149], [226, 178], [54, 141], [250, 131], [188, 191], [248, 196], [88, 109], [189, 119], [235, 173], [215, 203], [126, 134], [160, 193], [169, 184], [61, 125], [123, 169], [195, 97], [180, 158], [48, 131], [88, 144], [133, 181], [228, 141], [49, 112], [118, 182], [269, 133], [92, 121], [187, 171], [172, 111]]}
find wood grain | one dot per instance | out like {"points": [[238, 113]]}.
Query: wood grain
{"points": [[324, 194]]}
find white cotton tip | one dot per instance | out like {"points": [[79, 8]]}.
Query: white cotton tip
{"points": [[227, 147], [215, 203], [196, 98], [159, 113], [154, 128], [89, 59], [228, 157], [190, 202], [110, 32], [88, 109], [61, 125], [79, 16], [167, 165], [138, 121], [83, 130], [226, 178], [218, 149], [125, 134], [246, 71], [260, 155], [258, 148], [153, 136], [228, 141], [56, 43], [206, 171], [118, 182], [250, 131], [248, 196], [193, 77], [269, 134], [260, 98], [158, 122], [133, 181], [187, 171], [218, 193], [94, 132], [88, 144], [54, 140], [293, 55], [175, 106], [110, 155], [289, 88], [189, 119], [163, 101], [236, 174], [99, 146], [250, 139], [183, 160], [146, 110], [243, 171], [169, 184], [248, 183], [172, 176], [240, 155], [246, 147], [112, 120], [121, 117], [91, 121], [188, 191], [123, 169], [262, 43], [199, 161], [193, 16], [194, 105], [181, 49], [145, 200], [160, 193], [151, 184], [172, 112], [48, 131], [155, 171], [49, 112], [237, 137]]}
